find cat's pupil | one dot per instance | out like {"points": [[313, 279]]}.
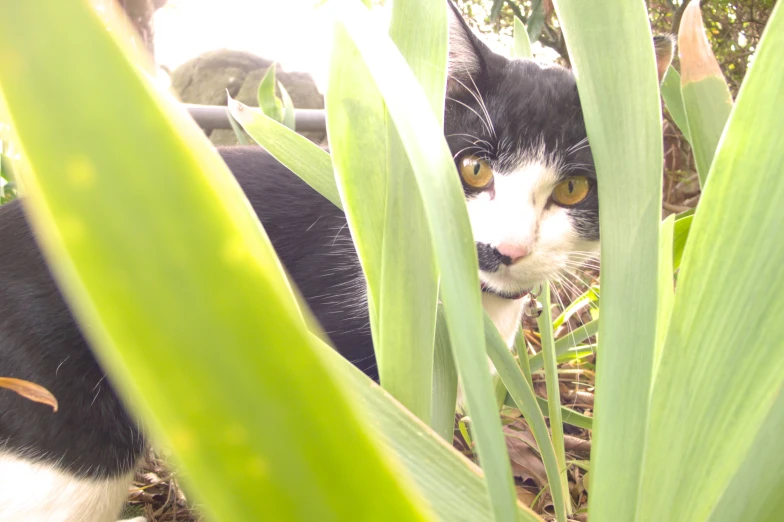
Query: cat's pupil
{"points": [[477, 166], [571, 187]]}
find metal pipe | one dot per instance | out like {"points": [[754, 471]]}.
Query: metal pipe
{"points": [[210, 117]]}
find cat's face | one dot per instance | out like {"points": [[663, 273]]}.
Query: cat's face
{"points": [[517, 134]]}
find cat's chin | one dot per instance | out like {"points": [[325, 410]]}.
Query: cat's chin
{"points": [[505, 284]]}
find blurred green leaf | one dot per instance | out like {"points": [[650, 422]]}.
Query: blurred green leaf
{"points": [[623, 120], [447, 220], [181, 277], [522, 45], [694, 454], [535, 21]]}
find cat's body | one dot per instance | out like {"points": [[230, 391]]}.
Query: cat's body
{"points": [[519, 119]]}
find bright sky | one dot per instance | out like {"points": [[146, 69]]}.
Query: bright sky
{"points": [[289, 32]]}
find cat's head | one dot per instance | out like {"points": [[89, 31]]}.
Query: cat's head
{"points": [[516, 130]]}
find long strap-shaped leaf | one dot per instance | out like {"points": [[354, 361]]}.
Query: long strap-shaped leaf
{"points": [[705, 94], [409, 279], [722, 369], [447, 220], [620, 101], [177, 286]]}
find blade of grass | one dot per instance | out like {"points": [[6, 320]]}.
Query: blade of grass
{"points": [[138, 267], [623, 120], [453, 486], [536, 20], [455, 251], [706, 96], [692, 453], [568, 416], [589, 296], [553, 394], [525, 400], [565, 343]]}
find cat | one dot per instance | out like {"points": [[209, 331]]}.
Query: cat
{"points": [[516, 130]]}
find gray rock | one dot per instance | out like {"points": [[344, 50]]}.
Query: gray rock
{"points": [[206, 78]]}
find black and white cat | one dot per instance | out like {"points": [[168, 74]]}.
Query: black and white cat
{"points": [[516, 130]]}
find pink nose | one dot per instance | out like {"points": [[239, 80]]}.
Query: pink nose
{"points": [[513, 251]]}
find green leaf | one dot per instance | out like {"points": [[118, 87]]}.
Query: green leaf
{"points": [[679, 238], [673, 99], [409, 285], [567, 342], [447, 220], [553, 393], [755, 490], [300, 155], [568, 416], [731, 275], [623, 120], [269, 103], [587, 298], [454, 487], [666, 283], [288, 108], [182, 277], [238, 132], [522, 45], [535, 21], [525, 400], [495, 10], [706, 96]]}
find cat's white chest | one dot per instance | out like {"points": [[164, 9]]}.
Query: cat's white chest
{"points": [[506, 314]]}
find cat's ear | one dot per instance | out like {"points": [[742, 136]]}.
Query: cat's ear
{"points": [[664, 45], [467, 54]]}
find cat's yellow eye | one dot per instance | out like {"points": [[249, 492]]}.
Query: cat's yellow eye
{"points": [[475, 171], [571, 191]]}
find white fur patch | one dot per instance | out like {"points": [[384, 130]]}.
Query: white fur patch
{"points": [[32, 492], [516, 212]]}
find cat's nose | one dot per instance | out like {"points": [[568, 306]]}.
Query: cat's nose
{"points": [[512, 252]]}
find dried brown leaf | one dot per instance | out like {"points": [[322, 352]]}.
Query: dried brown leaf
{"points": [[697, 59], [29, 390]]}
